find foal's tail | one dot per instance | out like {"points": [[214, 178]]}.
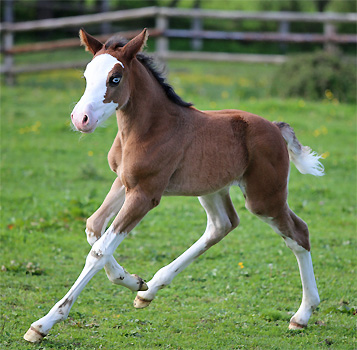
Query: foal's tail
{"points": [[305, 160]]}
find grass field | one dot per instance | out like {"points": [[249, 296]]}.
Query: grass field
{"points": [[239, 295]]}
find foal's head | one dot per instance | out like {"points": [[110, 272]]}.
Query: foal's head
{"points": [[107, 77]]}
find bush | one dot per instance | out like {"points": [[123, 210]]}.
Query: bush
{"points": [[316, 76]]}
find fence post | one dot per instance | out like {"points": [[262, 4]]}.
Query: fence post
{"points": [[196, 43], [330, 32], [8, 44], [284, 28], [106, 27], [162, 42]]}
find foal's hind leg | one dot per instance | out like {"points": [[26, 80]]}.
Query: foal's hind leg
{"points": [[221, 219], [296, 235], [265, 187]]}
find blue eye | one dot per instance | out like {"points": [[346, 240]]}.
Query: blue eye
{"points": [[114, 80]]}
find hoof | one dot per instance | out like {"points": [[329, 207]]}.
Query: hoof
{"points": [[140, 303], [142, 284], [296, 326], [33, 335]]}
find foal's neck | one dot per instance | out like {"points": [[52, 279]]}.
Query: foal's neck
{"points": [[149, 109]]}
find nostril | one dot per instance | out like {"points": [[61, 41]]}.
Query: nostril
{"points": [[85, 119], [72, 116]]}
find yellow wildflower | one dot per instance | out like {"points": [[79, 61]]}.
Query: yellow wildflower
{"points": [[33, 128], [243, 82], [213, 104], [316, 133], [323, 130], [301, 103], [225, 94], [329, 94]]}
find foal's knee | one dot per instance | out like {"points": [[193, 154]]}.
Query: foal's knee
{"points": [[93, 230]]}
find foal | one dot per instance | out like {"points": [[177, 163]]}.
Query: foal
{"points": [[164, 146]]}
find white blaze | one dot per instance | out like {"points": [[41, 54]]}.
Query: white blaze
{"points": [[92, 101]]}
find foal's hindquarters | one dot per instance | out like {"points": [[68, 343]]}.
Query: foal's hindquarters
{"points": [[264, 185]]}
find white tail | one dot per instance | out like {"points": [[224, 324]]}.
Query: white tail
{"points": [[305, 160]]}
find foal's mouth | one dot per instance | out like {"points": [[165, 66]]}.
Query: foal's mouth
{"points": [[89, 130], [84, 129]]}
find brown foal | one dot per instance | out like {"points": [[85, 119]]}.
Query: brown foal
{"points": [[165, 146]]}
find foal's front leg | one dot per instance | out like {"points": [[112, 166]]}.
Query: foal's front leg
{"points": [[136, 205], [96, 226]]}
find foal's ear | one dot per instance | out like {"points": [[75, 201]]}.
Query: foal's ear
{"points": [[135, 45], [91, 44]]}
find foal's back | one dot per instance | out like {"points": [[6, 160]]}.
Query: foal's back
{"points": [[220, 147]]}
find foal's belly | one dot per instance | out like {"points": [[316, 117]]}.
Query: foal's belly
{"points": [[195, 187]]}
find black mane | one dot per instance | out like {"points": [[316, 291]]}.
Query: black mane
{"points": [[150, 63]]}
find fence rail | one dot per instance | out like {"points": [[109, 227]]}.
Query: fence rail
{"points": [[252, 36], [70, 43], [262, 16], [76, 21], [162, 32]]}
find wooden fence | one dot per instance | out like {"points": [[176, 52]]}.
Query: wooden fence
{"points": [[162, 32]]}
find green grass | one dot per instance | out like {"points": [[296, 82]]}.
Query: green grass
{"points": [[52, 179]]}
